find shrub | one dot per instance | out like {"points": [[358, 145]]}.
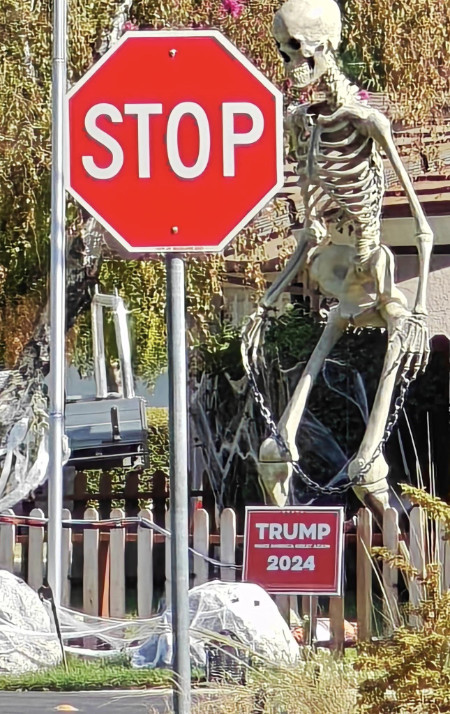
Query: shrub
{"points": [[409, 672]]}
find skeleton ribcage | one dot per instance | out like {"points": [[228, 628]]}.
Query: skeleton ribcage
{"points": [[341, 176]]}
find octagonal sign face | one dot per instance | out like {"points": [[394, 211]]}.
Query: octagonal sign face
{"points": [[175, 141]]}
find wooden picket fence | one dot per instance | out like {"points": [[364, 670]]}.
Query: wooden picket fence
{"points": [[108, 555]]}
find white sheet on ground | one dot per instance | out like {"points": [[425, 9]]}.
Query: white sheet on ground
{"points": [[242, 608], [28, 641]]}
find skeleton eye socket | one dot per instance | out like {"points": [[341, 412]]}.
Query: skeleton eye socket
{"points": [[294, 44]]}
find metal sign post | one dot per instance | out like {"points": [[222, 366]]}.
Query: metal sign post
{"points": [[179, 525], [57, 302], [195, 172]]}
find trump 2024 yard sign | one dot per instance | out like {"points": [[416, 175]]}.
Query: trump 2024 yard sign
{"points": [[175, 141], [296, 550]]}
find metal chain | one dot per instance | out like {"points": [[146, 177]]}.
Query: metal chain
{"points": [[266, 413]]}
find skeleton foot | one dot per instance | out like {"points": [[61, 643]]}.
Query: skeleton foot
{"points": [[275, 471], [373, 490]]}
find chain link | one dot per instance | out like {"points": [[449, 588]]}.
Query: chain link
{"points": [[358, 479]]}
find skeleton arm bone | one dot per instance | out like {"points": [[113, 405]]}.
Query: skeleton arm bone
{"points": [[294, 265], [373, 123], [380, 130], [252, 335]]}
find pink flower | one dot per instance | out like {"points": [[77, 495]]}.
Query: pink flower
{"points": [[233, 7], [363, 95], [128, 25]]}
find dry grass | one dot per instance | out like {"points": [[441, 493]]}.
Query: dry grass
{"points": [[323, 684]]}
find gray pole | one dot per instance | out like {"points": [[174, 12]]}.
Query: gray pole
{"points": [[176, 327], [57, 302]]}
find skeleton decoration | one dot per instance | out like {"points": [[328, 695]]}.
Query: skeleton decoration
{"points": [[337, 141]]}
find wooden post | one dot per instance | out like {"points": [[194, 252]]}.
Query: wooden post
{"points": [[7, 543], [228, 543], [36, 551], [364, 574], [106, 495], [337, 626], [201, 544], [282, 603], [390, 575], [145, 566], [117, 567], [293, 610], [90, 565], [131, 493], [79, 495], [66, 559], [309, 608]]}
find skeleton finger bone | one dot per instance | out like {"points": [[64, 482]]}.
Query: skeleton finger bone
{"points": [[425, 355], [253, 336], [415, 345]]}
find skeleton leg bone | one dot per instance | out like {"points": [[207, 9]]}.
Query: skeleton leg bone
{"points": [[274, 465], [368, 465]]}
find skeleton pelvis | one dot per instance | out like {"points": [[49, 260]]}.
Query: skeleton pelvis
{"points": [[334, 269]]}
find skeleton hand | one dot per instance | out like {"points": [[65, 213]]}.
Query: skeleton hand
{"points": [[253, 336], [415, 347]]}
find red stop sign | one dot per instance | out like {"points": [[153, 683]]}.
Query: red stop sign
{"points": [[175, 141]]}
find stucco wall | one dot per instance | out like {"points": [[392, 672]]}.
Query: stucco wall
{"points": [[438, 301]]}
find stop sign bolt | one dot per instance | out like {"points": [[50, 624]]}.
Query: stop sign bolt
{"points": [[174, 229], [172, 53]]}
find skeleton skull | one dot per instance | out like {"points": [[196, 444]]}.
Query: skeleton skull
{"points": [[306, 32]]}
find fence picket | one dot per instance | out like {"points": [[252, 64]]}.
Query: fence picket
{"points": [[66, 559], [364, 574], [200, 541], [90, 565], [390, 574], [145, 566], [444, 558], [117, 567], [228, 543], [417, 555], [36, 552], [114, 542], [7, 543]]}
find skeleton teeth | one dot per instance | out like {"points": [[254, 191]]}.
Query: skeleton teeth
{"points": [[301, 75]]}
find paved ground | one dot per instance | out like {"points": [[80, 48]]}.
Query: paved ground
{"points": [[113, 702]]}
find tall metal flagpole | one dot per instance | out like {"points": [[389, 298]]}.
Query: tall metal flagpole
{"points": [[176, 329], [57, 302]]}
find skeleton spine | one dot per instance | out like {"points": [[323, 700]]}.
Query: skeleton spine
{"points": [[339, 89]]}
